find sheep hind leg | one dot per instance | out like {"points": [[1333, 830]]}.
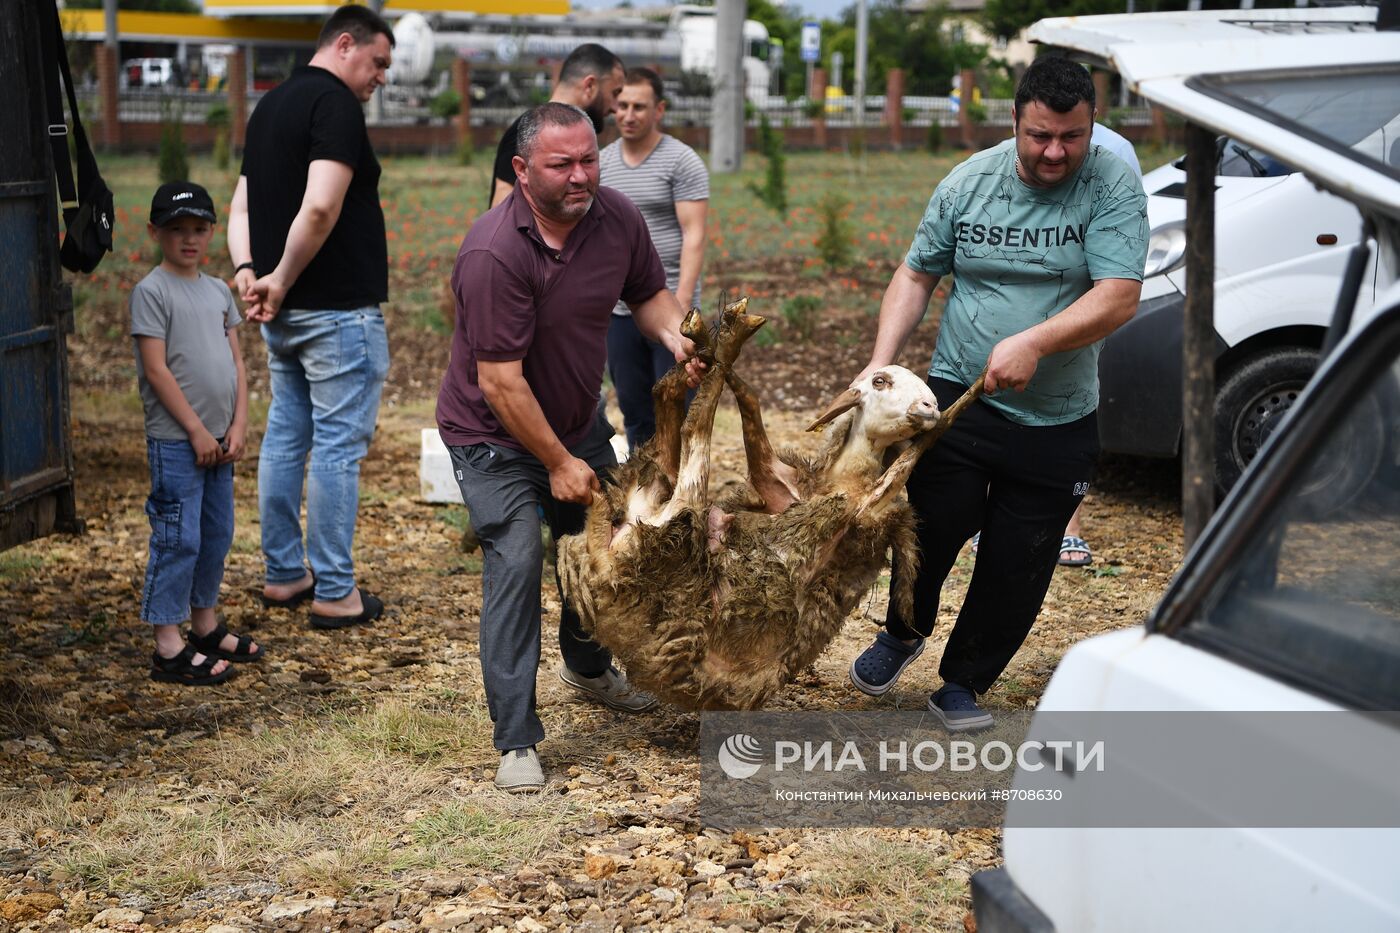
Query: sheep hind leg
{"points": [[773, 480], [693, 474], [668, 399]]}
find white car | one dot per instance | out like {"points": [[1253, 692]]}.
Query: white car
{"points": [[1281, 250], [1282, 607]]}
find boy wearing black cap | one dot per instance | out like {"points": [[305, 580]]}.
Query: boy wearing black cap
{"points": [[195, 394]]}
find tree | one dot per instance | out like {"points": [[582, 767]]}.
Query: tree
{"points": [[924, 43]]}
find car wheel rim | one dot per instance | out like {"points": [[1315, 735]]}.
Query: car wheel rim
{"points": [[1259, 418]]}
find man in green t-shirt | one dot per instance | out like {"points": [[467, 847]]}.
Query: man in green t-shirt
{"points": [[1045, 236]]}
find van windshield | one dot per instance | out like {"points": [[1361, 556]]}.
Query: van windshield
{"points": [[1355, 109]]}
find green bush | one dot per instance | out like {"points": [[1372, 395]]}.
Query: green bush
{"points": [[800, 315], [219, 117], [446, 104], [465, 150], [977, 113], [174, 160], [813, 109], [933, 139], [773, 191], [835, 238]]}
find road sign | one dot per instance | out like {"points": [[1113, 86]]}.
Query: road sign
{"points": [[811, 42]]}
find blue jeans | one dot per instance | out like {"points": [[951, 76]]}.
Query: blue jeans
{"points": [[635, 363], [191, 512], [327, 369]]}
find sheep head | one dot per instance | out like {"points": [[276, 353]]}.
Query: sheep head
{"points": [[891, 404]]}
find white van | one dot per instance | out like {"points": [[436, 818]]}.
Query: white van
{"points": [[1282, 612], [1281, 249]]}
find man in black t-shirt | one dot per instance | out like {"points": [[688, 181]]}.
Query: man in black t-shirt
{"points": [[591, 79], [306, 235]]}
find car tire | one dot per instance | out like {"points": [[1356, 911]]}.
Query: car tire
{"points": [[1251, 401]]}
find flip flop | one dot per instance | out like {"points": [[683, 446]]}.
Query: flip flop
{"points": [[291, 602], [374, 608], [1069, 544]]}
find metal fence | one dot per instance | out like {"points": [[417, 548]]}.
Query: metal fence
{"points": [[412, 106]]}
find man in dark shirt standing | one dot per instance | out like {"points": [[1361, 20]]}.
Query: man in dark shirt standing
{"points": [[306, 234], [590, 79], [536, 280]]}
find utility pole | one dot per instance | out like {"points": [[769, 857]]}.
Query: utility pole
{"points": [[727, 113], [109, 20], [862, 39]]}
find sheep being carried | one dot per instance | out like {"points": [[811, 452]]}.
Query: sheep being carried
{"points": [[716, 604]]}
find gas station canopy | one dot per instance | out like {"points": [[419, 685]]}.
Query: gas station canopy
{"points": [[254, 22]]}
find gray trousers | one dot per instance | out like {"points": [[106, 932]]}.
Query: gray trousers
{"points": [[507, 493]]}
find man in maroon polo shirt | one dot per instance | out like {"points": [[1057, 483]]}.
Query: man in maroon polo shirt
{"points": [[536, 280]]}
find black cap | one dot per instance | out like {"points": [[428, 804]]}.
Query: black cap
{"points": [[181, 199]]}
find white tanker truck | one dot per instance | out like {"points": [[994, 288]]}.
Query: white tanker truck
{"points": [[508, 52]]}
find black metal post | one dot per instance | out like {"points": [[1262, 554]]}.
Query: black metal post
{"points": [[1198, 340]]}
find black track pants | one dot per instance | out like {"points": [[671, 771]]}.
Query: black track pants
{"points": [[1018, 485]]}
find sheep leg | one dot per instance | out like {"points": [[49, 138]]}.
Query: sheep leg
{"points": [[897, 475], [693, 477], [774, 481], [668, 399]]}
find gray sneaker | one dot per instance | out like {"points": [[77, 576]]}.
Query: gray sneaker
{"points": [[519, 771], [610, 688]]}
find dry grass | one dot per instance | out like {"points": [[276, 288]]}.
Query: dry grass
{"points": [[338, 802], [887, 881]]}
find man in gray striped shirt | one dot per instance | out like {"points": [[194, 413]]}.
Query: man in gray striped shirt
{"points": [[671, 187]]}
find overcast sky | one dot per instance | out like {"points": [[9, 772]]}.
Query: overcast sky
{"points": [[817, 9]]}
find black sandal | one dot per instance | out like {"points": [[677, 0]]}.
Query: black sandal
{"points": [[181, 669], [291, 602], [209, 644], [373, 609]]}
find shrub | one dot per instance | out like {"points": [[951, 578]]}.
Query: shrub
{"points": [[834, 237], [800, 315], [773, 191], [933, 140], [446, 104], [219, 118], [813, 109], [174, 161], [977, 113]]}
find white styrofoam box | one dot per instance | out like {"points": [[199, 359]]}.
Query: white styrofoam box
{"points": [[437, 480]]}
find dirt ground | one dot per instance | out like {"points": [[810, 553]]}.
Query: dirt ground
{"points": [[345, 782]]}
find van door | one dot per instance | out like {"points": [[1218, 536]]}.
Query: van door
{"points": [[36, 458]]}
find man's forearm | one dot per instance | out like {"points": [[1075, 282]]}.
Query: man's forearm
{"points": [[240, 242], [1100, 311], [515, 406], [902, 308], [309, 231], [692, 220], [692, 255], [659, 318]]}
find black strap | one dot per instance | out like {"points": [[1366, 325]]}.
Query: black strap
{"points": [[56, 54]]}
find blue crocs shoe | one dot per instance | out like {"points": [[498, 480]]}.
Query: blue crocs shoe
{"points": [[877, 668], [956, 707]]}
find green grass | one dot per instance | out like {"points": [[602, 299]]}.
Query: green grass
{"points": [[429, 203], [14, 564]]}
